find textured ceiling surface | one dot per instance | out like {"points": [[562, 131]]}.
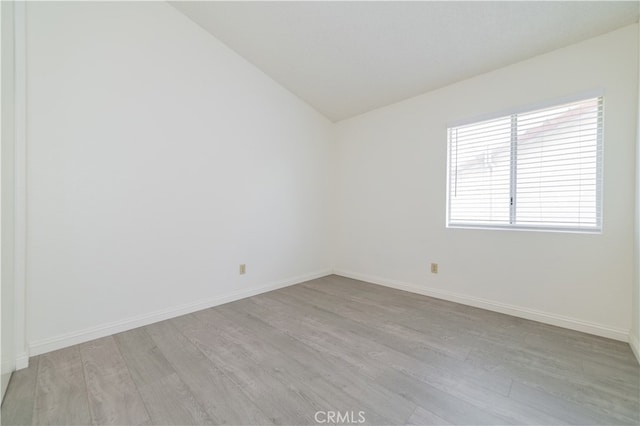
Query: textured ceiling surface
{"points": [[346, 58]]}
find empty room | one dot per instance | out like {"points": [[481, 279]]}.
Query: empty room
{"points": [[320, 213]]}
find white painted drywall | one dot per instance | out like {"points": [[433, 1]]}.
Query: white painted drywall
{"points": [[158, 161], [634, 338], [391, 200], [8, 349]]}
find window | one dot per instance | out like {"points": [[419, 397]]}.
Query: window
{"points": [[535, 170]]}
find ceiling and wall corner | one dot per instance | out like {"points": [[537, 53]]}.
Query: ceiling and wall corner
{"points": [[346, 58]]}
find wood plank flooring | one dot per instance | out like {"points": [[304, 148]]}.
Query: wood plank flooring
{"points": [[333, 344]]}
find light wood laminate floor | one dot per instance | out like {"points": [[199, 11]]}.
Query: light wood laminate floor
{"points": [[333, 344]]}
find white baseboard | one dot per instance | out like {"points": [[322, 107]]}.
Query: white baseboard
{"points": [[69, 339], [516, 311], [22, 361], [635, 345]]}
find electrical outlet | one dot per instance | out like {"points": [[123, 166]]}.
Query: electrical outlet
{"points": [[243, 269], [434, 268]]}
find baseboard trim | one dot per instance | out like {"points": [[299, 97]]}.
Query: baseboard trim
{"points": [[69, 339], [635, 345], [503, 308], [22, 361]]}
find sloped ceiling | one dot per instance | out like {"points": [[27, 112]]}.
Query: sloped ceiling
{"points": [[346, 58]]}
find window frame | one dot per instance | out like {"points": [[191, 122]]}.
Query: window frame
{"points": [[584, 96]]}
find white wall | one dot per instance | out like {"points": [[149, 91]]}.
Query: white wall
{"points": [[635, 328], [391, 200], [158, 161], [8, 353]]}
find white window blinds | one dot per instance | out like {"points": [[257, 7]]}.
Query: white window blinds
{"points": [[539, 169]]}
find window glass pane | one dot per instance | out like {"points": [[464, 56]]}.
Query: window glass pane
{"points": [[556, 166], [480, 172]]}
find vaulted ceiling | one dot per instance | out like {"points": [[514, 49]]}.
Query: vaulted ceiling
{"points": [[346, 58]]}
